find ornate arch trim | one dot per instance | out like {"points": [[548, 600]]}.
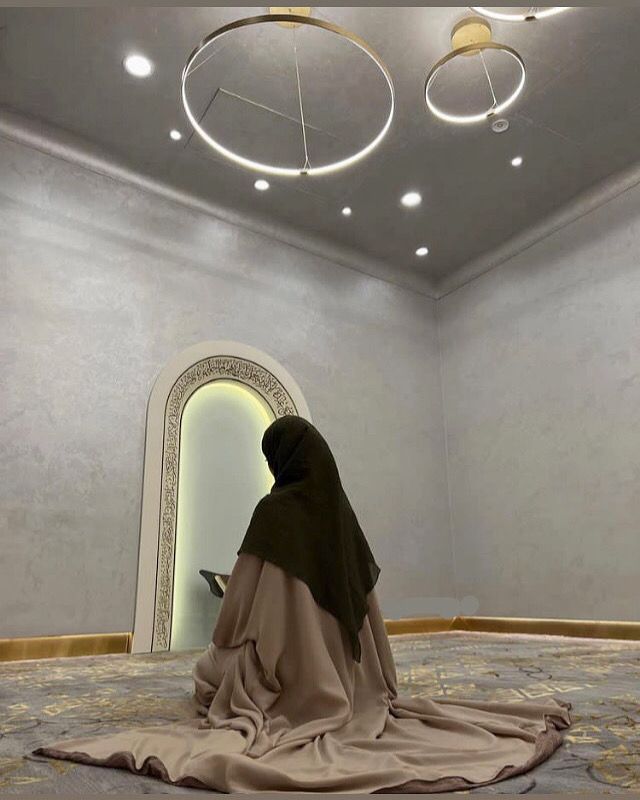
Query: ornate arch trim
{"points": [[170, 394]]}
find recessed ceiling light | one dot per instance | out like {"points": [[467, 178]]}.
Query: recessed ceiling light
{"points": [[411, 199], [138, 65], [422, 251], [346, 211], [175, 135], [261, 185], [517, 161]]}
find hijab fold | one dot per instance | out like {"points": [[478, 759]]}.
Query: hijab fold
{"points": [[307, 527]]}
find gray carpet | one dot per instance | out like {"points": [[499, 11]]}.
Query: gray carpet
{"points": [[45, 701]]}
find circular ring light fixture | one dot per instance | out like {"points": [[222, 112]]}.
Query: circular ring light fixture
{"points": [[291, 21], [478, 37], [532, 13]]}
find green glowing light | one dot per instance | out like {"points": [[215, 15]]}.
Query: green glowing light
{"points": [[222, 475]]}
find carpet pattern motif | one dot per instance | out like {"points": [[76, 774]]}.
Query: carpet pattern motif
{"points": [[47, 700]]}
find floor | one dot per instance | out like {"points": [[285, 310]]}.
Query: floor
{"points": [[47, 700]]}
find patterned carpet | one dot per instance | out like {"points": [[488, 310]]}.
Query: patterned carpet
{"points": [[44, 701]]}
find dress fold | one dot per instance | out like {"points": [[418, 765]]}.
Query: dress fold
{"points": [[280, 704]]}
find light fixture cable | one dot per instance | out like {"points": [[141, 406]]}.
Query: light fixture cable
{"points": [[486, 72], [306, 165]]}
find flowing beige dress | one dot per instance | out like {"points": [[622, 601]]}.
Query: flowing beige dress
{"points": [[280, 705]]}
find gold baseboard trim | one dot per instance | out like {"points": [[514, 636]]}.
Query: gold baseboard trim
{"points": [[91, 644], [106, 643], [586, 628], [397, 627]]}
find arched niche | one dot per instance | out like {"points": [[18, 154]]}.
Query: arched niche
{"points": [[202, 386]]}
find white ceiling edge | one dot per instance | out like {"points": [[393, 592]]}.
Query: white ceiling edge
{"points": [[578, 206], [59, 143]]}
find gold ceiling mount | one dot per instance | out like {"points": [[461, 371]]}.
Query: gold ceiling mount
{"points": [[298, 11], [470, 31]]}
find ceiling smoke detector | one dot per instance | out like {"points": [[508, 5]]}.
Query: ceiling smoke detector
{"points": [[500, 125]]}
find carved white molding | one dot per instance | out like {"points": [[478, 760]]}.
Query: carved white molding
{"points": [[186, 373]]}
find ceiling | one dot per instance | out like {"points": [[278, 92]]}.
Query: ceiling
{"points": [[576, 122]]}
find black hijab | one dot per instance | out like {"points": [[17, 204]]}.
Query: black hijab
{"points": [[307, 527]]}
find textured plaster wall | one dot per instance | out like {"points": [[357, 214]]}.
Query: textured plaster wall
{"points": [[102, 283], [541, 383]]}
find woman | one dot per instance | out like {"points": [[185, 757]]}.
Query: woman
{"points": [[297, 691]]}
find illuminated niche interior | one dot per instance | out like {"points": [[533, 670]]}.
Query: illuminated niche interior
{"points": [[222, 474]]}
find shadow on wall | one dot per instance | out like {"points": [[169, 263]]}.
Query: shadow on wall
{"points": [[431, 607]]}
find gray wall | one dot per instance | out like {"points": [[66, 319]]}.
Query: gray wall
{"points": [[541, 382], [102, 283]]}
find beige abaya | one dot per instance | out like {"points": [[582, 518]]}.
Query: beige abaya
{"points": [[281, 705]]}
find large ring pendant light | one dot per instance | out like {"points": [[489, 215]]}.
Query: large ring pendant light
{"points": [[292, 21], [532, 13], [478, 33]]}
